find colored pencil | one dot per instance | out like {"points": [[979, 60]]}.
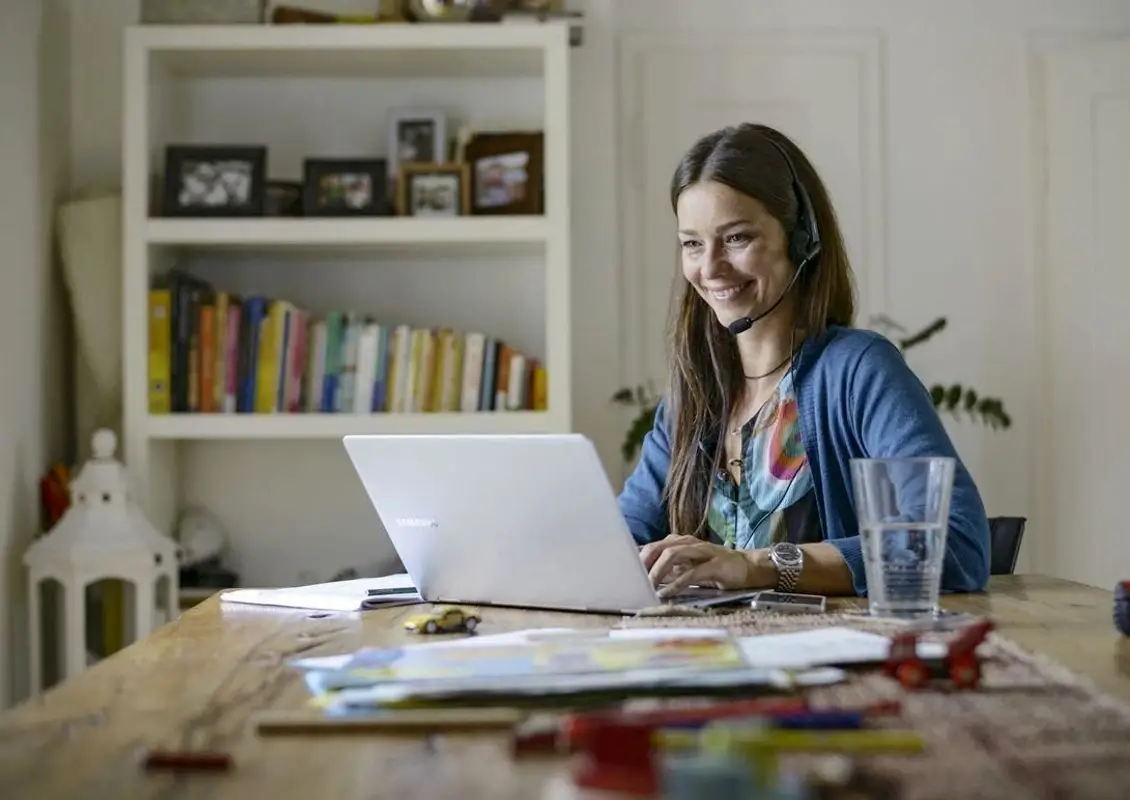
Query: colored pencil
{"points": [[399, 721]]}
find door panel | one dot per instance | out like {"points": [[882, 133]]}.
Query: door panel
{"points": [[1086, 464], [822, 91]]}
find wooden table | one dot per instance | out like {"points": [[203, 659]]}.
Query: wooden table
{"points": [[197, 681]]}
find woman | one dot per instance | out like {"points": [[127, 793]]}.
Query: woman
{"points": [[744, 480]]}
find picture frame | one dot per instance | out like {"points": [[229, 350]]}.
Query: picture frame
{"points": [[345, 187], [536, 6], [434, 190], [283, 199], [507, 172], [416, 136], [214, 180]]}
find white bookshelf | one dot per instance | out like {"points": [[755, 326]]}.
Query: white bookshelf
{"points": [[334, 426], [421, 235], [163, 64]]}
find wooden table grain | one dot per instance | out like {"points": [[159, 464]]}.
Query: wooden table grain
{"points": [[198, 681]]}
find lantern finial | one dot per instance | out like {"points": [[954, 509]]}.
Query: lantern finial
{"points": [[103, 444]]}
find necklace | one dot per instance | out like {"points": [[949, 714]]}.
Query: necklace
{"points": [[792, 352], [784, 361]]}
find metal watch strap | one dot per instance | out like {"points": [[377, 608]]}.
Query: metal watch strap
{"points": [[787, 578], [788, 568]]}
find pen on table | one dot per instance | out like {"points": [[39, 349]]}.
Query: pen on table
{"points": [[837, 741], [799, 720], [576, 724], [188, 761], [398, 590], [793, 712], [282, 723]]}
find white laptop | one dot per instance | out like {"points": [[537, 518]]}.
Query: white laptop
{"points": [[512, 520]]}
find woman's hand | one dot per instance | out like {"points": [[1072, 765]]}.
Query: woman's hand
{"points": [[682, 561]]}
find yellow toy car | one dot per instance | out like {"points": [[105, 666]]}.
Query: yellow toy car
{"points": [[445, 619]]}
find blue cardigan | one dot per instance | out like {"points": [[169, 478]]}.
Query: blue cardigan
{"points": [[858, 399]]}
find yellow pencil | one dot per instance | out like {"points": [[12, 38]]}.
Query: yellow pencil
{"points": [[867, 741]]}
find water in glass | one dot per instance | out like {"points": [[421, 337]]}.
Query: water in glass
{"points": [[902, 506], [903, 563]]}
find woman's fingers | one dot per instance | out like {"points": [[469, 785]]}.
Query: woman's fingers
{"points": [[701, 564], [703, 574], [677, 558], [650, 552]]}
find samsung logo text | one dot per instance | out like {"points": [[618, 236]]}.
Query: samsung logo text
{"points": [[415, 522]]}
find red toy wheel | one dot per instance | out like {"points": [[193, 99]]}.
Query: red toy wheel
{"points": [[911, 674], [965, 672]]}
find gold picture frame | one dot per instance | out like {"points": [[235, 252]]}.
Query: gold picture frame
{"points": [[434, 190]]}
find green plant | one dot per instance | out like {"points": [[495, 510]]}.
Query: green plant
{"points": [[955, 399]]}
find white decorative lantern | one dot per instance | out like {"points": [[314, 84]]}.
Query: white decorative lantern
{"points": [[102, 535]]}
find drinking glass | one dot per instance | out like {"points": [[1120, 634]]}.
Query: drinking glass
{"points": [[903, 509]]}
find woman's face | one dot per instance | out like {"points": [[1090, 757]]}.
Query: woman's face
{"points": [[733, 251]]}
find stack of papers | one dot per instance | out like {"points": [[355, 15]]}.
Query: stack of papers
{"points": [[355, 595], [549, 665]]}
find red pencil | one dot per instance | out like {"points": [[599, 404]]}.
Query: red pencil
{"points": [[188, 761]]}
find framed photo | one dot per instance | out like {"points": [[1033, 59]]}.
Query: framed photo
{"points": [[416, 136], [434, 190], [536, 6], [507, 172], [345, 187], [284, 199], [214, 181]]}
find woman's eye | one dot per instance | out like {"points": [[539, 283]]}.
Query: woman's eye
{"points": [[738, 238], [689, 244]]}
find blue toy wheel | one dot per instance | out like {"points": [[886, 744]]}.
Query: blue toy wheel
{"points": [[1122, 608]]}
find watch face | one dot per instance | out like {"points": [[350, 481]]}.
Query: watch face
{"points": [[787, 553]]}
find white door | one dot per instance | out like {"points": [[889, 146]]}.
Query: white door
{"points": [[822, 90], [1086, 316]]}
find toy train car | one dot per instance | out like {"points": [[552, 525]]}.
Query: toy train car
{"points": [[960, 664]]}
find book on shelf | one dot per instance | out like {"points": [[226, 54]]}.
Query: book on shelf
{"points": [[215, 352]]}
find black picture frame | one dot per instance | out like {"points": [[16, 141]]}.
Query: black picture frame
{"points": [[234, 173], [369, 177], [284, 199]]}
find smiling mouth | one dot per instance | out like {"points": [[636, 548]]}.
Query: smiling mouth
{"points": [[729, 292]]}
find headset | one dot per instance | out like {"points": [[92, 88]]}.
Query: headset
{"points": [[804, 241], [804, 238]]}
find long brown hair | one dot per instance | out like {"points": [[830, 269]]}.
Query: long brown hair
{"points": [[705, 371]]}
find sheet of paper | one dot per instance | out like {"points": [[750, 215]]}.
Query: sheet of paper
{"points": [[523, 637], [335, 596], [823, 647], [378, 694]]}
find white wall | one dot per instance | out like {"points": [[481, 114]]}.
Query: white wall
{"points": [[959, 194], [960, 187], [32, 328]]}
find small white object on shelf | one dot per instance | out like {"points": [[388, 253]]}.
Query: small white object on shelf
{"points": [[102, 535]]}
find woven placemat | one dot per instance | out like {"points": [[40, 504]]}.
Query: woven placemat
{"points": [[1032, 730]]}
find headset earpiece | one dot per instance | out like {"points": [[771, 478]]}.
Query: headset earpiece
{"points": [[804, 238]]}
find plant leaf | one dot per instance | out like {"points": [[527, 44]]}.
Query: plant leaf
{"points": [[953, 396]]}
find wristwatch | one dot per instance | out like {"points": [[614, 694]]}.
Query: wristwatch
{"points": [[788, 559]]}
